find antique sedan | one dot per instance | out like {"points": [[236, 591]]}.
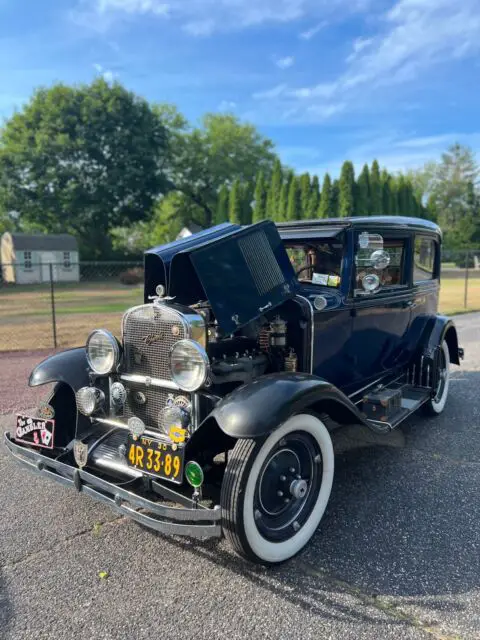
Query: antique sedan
{"points": [[213, 413]]}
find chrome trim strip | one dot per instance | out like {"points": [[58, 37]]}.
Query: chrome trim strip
{"points": [[197, 523], [158, 435], [154, 382], [312, 341]]}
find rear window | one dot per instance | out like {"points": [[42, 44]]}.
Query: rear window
{"points": [[424, 259]]}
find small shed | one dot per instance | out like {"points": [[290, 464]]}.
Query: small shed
{"points": [[189, 231], [26, 258]]}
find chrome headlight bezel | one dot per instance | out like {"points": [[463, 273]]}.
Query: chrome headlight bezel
{"points": [[199, 353], [115, 351]]}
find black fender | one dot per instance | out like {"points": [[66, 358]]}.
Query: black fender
{"points": [[439, 329], [69, 369], [256, 409]]}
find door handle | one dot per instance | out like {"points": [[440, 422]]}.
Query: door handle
{"points": [[409, 305]]}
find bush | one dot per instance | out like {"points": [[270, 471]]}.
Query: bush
{"points": [[132, 276]]}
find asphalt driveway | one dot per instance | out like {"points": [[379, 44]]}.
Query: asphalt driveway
{"points": [[397, 554]]}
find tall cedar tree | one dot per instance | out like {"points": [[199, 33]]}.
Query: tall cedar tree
{"points": [[294, 200], [260, 207], [284, 196], [393, 196], [314, 201], [375, 190], [363, 192], [385, 182], [221, 214], [346, 202], [305, 188], [325, 208], [335, 199], [273, 200], [235, 204], [246, 197]]}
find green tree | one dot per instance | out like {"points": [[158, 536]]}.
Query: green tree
{"points": [[346, 203], [314, 200], [221, 150], [83, 160], [305, 191], [335, 199], [325, 207], [221, 214], [386, 192], [260, 207], [246, 196], [363, 192], [375, 190], [294, 200], [283, 207], [274, 193], [235, 203]]}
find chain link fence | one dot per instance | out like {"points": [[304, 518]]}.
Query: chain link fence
{"points": [[55, 307], [52, 306]]}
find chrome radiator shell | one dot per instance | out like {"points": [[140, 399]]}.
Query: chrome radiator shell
{"points": [[149, 332]]}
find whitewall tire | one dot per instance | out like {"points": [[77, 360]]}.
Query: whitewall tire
{"points": [[436, 404], [275, 490]]}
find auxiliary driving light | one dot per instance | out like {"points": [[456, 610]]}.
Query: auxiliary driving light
{"points": [[89, 400], [194, 474]]}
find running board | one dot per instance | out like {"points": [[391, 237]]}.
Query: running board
{"points": [[412, 399]]}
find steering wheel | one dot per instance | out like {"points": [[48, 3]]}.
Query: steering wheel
{"points": [[299, 271]]}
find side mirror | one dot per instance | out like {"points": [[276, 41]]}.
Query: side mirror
{"points": [[380, 259]]}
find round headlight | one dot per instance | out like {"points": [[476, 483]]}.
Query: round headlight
{"points": [[103, 352], [189, 365]]}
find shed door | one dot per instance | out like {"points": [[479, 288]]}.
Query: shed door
{"points": [[47, 258]]}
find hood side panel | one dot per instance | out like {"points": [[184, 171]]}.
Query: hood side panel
{"points": [[245, 274]]}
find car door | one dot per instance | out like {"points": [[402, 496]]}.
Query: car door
{"points": [[381, 317]]}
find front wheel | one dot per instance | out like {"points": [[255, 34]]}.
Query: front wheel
{"points": [[436, 404], [275, 490]]}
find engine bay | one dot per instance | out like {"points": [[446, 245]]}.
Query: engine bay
{"points": [[273, 342]]}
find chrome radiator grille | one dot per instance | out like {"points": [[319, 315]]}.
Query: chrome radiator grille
{"points": [[149, 332], [148, 403]]}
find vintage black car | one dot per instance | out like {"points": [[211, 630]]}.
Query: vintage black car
{"points": [[212, 414]]}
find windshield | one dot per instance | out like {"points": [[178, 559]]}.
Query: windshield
{"points": [[316, 262]]}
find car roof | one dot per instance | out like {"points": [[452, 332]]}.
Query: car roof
{"points": [[330, 227]]}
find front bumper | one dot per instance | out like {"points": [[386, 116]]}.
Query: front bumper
{"points": [[195, 522]]}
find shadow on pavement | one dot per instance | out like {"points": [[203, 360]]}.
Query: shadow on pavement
{"points": [[402, 521]]}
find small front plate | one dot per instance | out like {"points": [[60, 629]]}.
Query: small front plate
{"points": [[37, 432]]}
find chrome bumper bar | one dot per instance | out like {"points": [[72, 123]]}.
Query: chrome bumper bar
{"points": [[197, 522]]}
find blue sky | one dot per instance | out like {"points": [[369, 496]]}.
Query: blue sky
{"points": [[327, 80]]}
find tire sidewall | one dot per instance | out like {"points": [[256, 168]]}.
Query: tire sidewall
{"points": [[437, 407], [274, 552]]}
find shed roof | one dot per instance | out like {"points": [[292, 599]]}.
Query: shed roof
{"points": [[44, 242]]}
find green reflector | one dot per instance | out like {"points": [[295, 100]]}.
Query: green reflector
{"points": [[194, 474]]}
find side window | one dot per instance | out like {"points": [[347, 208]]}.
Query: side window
{"points": [[66, 260], [317, 262], [379, 264], [27, 259], [424, 259]]}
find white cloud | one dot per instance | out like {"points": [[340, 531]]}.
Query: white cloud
{"points": [[106, 74], [415, 36], [200, 27], [227, 105], [285, 63], [203, 17], [310, 33], [270, 94], [358, 46]]}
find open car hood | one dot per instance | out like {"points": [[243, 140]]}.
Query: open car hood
{"points": [[242, 272]]}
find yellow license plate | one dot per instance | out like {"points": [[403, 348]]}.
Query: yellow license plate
{"points": [[156, 458]]}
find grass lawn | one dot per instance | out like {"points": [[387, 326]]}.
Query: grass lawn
{"points": [[25, 314]]}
